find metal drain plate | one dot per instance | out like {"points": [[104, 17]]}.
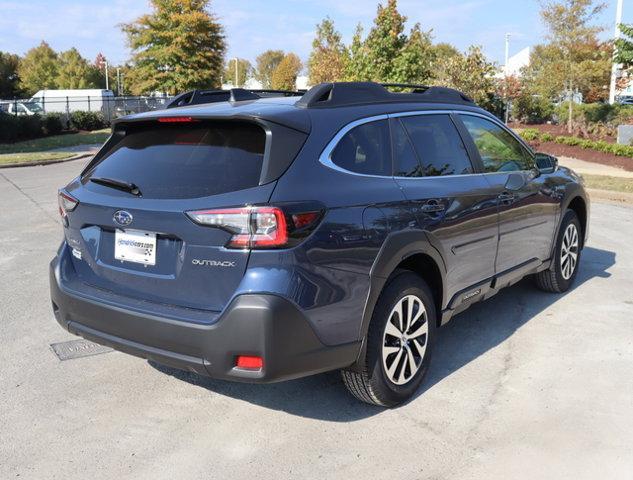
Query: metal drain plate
{"points": [[77, 349]]}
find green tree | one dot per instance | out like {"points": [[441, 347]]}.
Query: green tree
{"points": [[179, 46], [574, 59], [244, 71], [470, 73], [9, 75], [38, 69], [388, 54], [266, 63], [624, 46], [285, 75], [327, 60], [74, 71]]}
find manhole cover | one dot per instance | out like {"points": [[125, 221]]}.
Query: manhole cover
{"points": [[77, 349]]}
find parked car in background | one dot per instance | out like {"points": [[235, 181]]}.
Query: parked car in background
{"points": [[24, 108], [263, 239]]}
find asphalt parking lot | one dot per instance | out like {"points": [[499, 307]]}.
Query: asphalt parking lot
{"points": [[526, 385]]}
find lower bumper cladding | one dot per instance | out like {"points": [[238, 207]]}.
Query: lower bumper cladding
{"points": [[262, 326]]}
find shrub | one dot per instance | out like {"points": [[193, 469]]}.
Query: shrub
{"points": [[8, 128], [52, 123], [547, 137], [87, 120], [599, 145], [528, 108], [530, 134], [29, 126]]}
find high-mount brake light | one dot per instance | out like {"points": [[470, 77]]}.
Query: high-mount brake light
{"points": [[67, 203], [176, 120], [258, 227]]}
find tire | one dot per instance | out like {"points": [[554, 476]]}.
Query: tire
{"points": [[558, 278], [387, 377]]}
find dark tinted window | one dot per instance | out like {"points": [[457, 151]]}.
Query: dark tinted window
{"points": [[499, 150], [407, 163], [438, 145], [365, 149], [186, 161]]}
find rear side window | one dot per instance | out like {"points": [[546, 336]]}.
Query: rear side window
{"points": [[365, 149], [185, 161], [438, 145], [499, 150]]}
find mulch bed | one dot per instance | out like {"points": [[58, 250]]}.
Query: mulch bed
{"points": [[559, 150]]}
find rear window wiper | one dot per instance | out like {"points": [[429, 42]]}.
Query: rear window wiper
{"points": [[118, 184]]}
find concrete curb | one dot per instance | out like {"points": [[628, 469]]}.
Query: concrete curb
{"points": [[610, 196], [47, 162]]}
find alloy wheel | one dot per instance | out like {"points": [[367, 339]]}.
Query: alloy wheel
{"points": [[405, 339], [569, 251]]}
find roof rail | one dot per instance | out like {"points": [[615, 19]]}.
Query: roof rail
{"points": [[354, 93], [198, 97]]}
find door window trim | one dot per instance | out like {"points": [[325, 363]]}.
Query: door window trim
{"points": [[326, 156]]}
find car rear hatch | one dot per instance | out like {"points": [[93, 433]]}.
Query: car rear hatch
{"points": [[130, 232]]}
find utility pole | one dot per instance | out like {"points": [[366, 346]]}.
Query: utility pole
{"points": [[237, 83], [614, 66], [505, 74], [106, 73], [118, 81]]}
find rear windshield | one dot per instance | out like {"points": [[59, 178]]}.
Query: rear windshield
{"points": [[184, 161]]}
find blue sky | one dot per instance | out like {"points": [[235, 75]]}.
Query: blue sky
{"points": [[253, 26]]}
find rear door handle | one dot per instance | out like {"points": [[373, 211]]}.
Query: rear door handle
{"points": [[433, 206], [506, 198]]}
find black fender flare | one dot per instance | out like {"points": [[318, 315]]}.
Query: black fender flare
{"points": [[397, 247], [572, 191]]}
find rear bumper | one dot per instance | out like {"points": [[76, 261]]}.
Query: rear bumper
{"points": [[253, 324]]}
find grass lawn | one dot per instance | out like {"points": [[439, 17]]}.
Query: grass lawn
{"points": [[32, 157], [56, 141], [603, 182]]}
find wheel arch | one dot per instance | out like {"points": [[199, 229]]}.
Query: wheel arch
{"points": [[404, 251], [579, 205]]}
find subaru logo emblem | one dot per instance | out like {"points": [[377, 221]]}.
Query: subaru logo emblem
{"points": [[122, 217]]}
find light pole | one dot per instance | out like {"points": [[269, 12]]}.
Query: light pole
{"points": [[237, 83], [505, 79], [614, 66], [106, 73]]}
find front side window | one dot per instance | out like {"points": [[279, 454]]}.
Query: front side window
{"points": [[438, 145], [365, 149], [499, 150]]}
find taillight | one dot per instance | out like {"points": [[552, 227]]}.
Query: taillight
{"points": [[259, 227], [67, 203]]}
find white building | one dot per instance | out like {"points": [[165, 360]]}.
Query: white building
{"points": [[516, 63]]}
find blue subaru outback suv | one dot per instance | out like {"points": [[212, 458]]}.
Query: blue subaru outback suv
{"points": [[260, 236]]}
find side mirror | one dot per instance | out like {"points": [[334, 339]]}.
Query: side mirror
{"points": [[546, 163]]}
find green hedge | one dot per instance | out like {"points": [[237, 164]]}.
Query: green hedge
{"points": [[87, 120], [531, 134], [595, 113], [25, 127]]}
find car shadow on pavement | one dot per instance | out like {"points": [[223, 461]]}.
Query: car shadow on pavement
{"points": [[469, 335]]}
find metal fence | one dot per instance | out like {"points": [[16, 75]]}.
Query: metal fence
{"points": [[111, 107]]}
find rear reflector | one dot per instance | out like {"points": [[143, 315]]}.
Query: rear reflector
{"points": [[249, 362], [176, 120]]}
